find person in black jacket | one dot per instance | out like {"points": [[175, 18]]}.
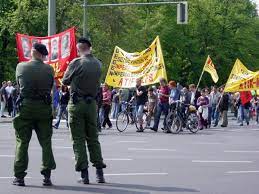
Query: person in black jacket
{"points": [[194, 95], [223, 107], [64, 98]]}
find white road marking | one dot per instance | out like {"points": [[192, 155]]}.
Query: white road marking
{"points": [[236, 130], [114, 159], [62, 147], [10, 177], [216, 129], [220, 161], [207, 143], [150, 149], [241, 151], [136, 174], [54, 139], [118, 159], [242, 172], [7, 156], [132, 141]]}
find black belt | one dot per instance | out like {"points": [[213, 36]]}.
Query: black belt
{"points": [[87, 98]]}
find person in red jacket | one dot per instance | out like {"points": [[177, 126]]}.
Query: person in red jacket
{"points": [[106, 105]]}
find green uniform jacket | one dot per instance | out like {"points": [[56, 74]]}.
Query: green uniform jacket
{"points": [[32, 82], [83, 75]]}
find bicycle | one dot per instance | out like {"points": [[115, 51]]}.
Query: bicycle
{"points": [[182, 116], [127, 117]]}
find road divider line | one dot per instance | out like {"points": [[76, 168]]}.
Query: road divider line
{"points": [[220, 161], [241, 151], [132, 141], [114, 159], [118, 159], [150, 149], [56, 139], [62, 147], [10, 177], [136, 174], [207, 143], [7, 156], [242, 172]]}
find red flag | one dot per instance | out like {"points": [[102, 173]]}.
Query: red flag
{"points": [[245, 97], [61, 47]]}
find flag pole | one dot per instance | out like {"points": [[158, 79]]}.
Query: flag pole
{"points": [[200, 79]]}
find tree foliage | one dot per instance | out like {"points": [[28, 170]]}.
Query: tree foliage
{"points": [[223, 29]]}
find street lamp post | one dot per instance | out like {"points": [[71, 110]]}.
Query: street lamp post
{"points": [[52, 17], [85, 19], [182, 11]]}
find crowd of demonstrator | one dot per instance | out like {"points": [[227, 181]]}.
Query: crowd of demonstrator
{"points": [[211, 103]]}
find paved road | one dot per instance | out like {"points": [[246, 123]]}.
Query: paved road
{"points": [[214, 161]]}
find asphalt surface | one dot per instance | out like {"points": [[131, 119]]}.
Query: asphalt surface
{"points": [[213, 161]]}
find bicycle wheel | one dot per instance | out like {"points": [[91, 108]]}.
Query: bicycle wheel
{"points": [[169, 119], [122, 121], [192, 123], [144, 118], [176, 125]]}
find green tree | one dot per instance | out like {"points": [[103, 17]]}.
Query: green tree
{"points": [[223, 29]]}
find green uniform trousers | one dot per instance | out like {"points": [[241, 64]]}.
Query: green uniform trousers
{"points": [[33, 115], [83, 127]]}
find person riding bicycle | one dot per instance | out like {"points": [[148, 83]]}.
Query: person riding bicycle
{"points": [[174, 92], [141, 99]]}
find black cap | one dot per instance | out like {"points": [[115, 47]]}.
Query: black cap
{"points": [[41, 48], [84, 41]]}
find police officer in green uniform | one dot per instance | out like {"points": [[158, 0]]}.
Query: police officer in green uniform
{"points": [[83, 76], [35, 80]]}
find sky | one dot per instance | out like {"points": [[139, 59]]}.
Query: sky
{"points": [[257, 2]]}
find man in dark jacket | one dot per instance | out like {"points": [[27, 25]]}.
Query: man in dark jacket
{"points": [[223, 107], [194, 95]]}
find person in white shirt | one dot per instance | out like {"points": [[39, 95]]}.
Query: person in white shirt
{"points": [[215, 97], [3, 99], [9, 89]]}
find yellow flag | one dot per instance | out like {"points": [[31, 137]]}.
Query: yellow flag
{"points": [[210, 68], [126, 67], [242, 79]]}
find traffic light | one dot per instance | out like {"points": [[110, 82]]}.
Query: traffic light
{"points": [[182, 13]]}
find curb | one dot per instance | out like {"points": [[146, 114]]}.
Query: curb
{"points": [[6, 121]]}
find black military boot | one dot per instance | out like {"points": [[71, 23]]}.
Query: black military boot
{"points": [[46, 180], [19, 182], [99, 175], [84, 177]]}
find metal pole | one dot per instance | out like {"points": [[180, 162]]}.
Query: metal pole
{"points": [[199, 80], [85, 5], [85, 19], [135, 4], [52, 17]]}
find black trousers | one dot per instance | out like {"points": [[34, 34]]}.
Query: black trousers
{"points": [[106, 111], [10, 105]]}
